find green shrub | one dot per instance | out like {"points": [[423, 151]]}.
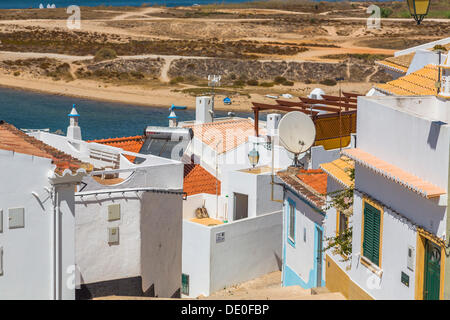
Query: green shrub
{"points": [[266, 84], [105, 54], [239, 83], [16, 74], [385, 12], [252, 82], [176, 80], [288, 83], [279, 80], [439, 47], [328, 82]]}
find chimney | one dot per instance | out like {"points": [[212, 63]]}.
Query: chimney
{"points": [[272, 123], [73, 130], [204, 109]]}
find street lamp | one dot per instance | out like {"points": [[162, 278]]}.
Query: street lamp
{"points": [[213, 81], [253, 156], [418, 9]]}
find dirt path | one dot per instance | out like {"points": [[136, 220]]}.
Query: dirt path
{"points": [[268, 287]]}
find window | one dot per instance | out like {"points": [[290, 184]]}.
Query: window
{"points": [[184, 284], [371, 229], [341, 223], [291, 235]]}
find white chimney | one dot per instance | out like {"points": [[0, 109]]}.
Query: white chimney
{"points": [[204, 109], [73, 130], [172, 119], [272, 123]]}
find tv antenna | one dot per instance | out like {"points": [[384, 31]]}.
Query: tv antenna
{"points": [[297, 133]]}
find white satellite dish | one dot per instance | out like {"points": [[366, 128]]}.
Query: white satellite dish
{"points": [[297, 133]]}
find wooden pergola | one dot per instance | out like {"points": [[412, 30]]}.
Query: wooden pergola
{"points": [[336, 106]]}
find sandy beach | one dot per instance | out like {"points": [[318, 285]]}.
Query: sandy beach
{"points": [[157, 97]]}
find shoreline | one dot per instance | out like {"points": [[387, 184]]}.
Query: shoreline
{"points": [[158, 97], [113, 94]]}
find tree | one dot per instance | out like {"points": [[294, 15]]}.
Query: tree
{"points": [[342, 201]]}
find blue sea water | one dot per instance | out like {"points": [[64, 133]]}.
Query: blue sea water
{"points": [[23, 4], [98, 120]]}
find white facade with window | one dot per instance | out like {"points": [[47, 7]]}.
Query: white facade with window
{"points": [[412, 136]]}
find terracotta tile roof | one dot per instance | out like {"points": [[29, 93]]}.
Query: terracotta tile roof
{"points": [[396, 174], [233, 133], [399, 63], [131, 144], [198, 180], [421, 82], [311, 184], [12, 139], [340, 170], [316, 179]]}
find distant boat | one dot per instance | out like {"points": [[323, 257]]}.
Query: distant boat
{"points": [[287, 95], [41, 6], [227, 100], [271, 96]]}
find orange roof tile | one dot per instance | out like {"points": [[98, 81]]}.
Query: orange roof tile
{"points": [[400, 63], [340, 169], [12, 139], [131, 144], [396, 174], [311, 184], [228, 133], [198, 180], [418, 83], [316, 179]]}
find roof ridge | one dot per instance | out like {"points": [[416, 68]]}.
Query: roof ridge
{"points": [[118, 139], [57, 156]]}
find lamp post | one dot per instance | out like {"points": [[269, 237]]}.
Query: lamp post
{"points": [[253, 156], [418, 9], [213, 81]]}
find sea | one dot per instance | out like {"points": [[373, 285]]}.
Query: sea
{"points": [[24, 4], [98, 119]]}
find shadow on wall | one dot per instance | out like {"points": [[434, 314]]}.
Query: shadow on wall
{"points": [[121, 287], [279, 261], [433, 134]]}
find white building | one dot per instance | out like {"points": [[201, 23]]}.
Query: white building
{"points": [[399, 219], [303, 230], [128, 217], [37, 218], [241, 238]]}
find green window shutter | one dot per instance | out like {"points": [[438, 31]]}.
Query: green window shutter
{"points": [[371, 244]]}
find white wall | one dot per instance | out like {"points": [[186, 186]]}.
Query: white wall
{"points": [[301, 257], [96, 259], [396, 236], [197, 200], [27, 252], [389, 128], [252, 248], [258, 188], [196, 260], [161, 243]]}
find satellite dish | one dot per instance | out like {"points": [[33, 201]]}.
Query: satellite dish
{"points": [[297, 133]]}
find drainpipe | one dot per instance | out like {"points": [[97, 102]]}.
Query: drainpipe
{"points": [[447, 240], [273, 172], [56, 283]]}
